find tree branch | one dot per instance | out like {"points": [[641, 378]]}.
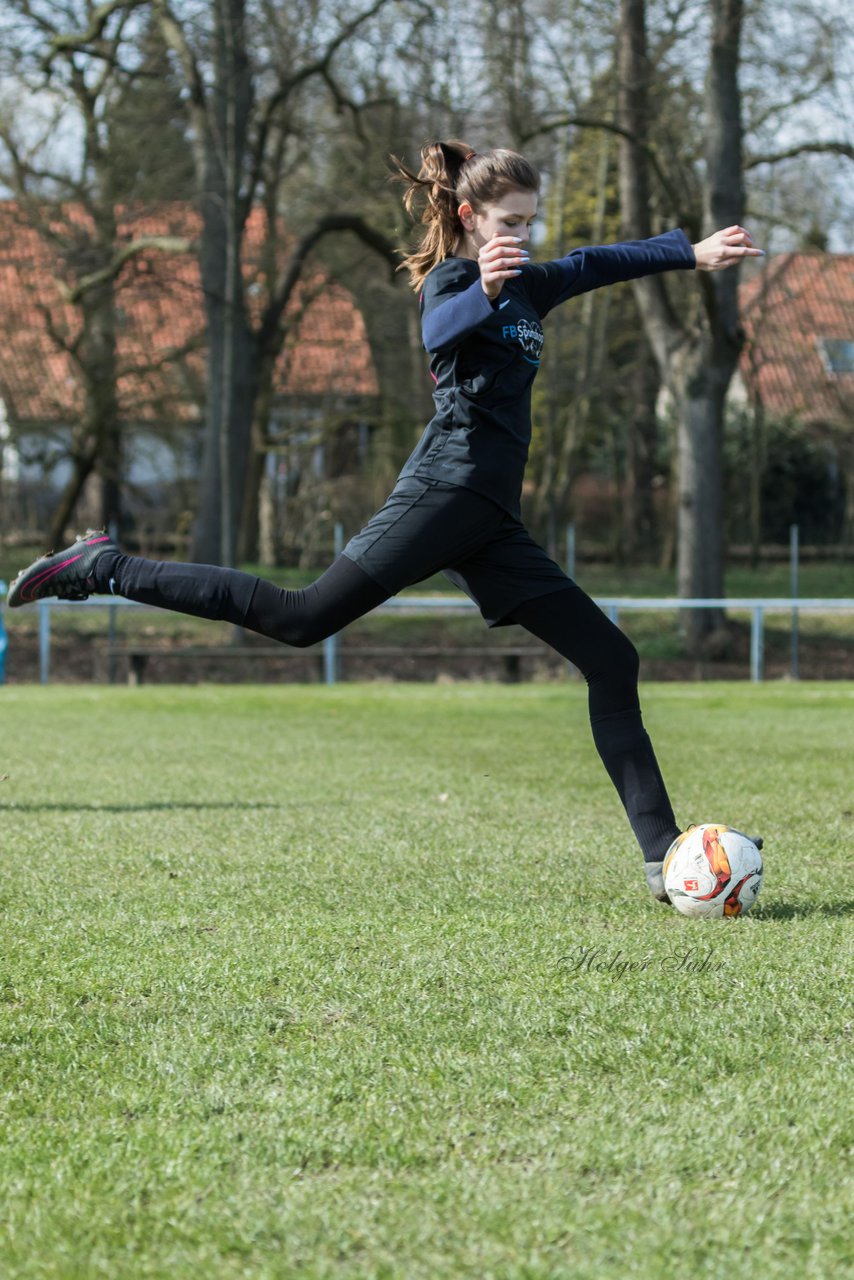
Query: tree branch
{"points": [[802, 148], [70, 346], [585, 122], [797, 99], [73, 41], [320, 66], [168, 244], [663, 327], [24, 170], [175, 39], [165, 357], [321, 63], [332, 222]]}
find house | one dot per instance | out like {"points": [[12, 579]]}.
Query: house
{"points": [[798, 362], [325, 372], [796, 377]]}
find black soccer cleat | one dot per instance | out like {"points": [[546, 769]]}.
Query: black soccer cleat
{"points": [[65, 574]]}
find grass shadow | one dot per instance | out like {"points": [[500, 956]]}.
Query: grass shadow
{"points": [[199, 806], [801, 910]]}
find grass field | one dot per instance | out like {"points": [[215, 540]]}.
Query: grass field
{"points": [[363, 982]]}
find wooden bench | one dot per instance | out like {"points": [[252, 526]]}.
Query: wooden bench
{"points": [[138, 655], [510, 655]]}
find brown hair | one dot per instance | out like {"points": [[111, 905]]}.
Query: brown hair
{"points": [[451, 173]]}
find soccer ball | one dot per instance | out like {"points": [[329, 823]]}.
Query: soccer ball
{"points": [[712, 871]]}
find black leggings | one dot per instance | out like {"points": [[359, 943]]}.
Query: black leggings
{"points": [[572, 624], [299, 618], [566, 619]]}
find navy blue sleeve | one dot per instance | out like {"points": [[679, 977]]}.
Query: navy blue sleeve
{"points": [[550, 283], [452, 304]]}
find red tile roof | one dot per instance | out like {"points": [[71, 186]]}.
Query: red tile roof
{"points": [[798, 300], [160, 312]]}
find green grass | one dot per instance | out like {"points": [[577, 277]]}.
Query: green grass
{"points": [[291, 986]]}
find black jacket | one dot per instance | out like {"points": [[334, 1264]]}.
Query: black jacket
{"points": [[485, 355]]}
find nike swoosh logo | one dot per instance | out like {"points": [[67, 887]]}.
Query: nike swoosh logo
{"points": [[502, 305]]}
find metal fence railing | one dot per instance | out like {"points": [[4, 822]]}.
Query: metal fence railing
{"points": [[427, 606], [3, 640]]}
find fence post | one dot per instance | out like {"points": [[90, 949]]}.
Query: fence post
{"points": [[794, 550], [3, 640], [330, 644], [757, 643], [330, 660], [111, 644], [570, 550], [44, 641], [571, 669]]}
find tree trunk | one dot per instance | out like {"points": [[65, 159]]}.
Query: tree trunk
{"points": [[96, 444], [110, 471], [102, 392], [249, 534], [248, 542], [639, 517], [82, 468], [696, 360], [593, 313], [230, 375], [700, 519], [700, 566], [757, 470], [230, 145], [228, 422]]}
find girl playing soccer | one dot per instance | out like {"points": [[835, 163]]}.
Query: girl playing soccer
{"points": [[456, 504]]}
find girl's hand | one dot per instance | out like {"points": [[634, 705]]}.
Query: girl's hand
{"points": [[724, 249], [500, 259]]}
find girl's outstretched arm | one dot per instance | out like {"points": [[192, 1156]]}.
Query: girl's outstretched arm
{"points": [[550, 283], [461, 293], [595, 266]]}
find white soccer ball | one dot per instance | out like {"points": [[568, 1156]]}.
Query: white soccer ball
{"points": [[712, 871]]}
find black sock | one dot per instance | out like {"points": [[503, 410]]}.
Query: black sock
{"points": [[626, 752]]}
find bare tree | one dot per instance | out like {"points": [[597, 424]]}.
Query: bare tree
{"points": [[245, 122], [686, 89], [697, 350], [697, 341], [70, 200]]}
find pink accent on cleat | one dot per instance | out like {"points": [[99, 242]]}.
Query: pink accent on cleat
{"points": [[27, 591], [67, 575]]}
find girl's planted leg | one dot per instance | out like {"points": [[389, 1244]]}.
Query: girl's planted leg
{"points": [[572, 624]]}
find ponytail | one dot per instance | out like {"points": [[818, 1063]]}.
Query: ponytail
{"points": [[451, 173]]}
